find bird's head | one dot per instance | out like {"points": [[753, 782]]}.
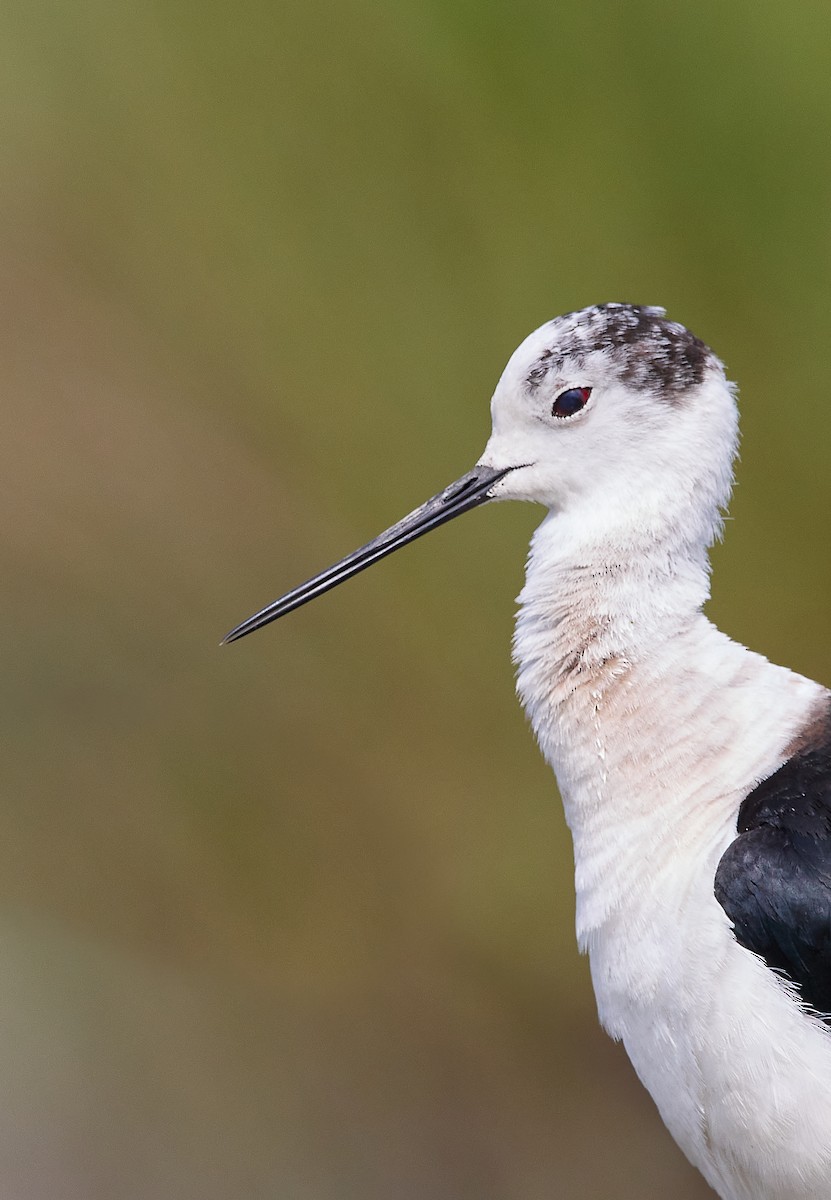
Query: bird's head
{"points": [[617, 420]]}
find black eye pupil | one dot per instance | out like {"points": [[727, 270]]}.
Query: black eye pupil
{"points": [[570, 402]]}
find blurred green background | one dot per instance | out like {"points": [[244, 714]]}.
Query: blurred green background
{"points": [[293, 919]]}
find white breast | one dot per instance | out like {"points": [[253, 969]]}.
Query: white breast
{"points": [[657, 728]]}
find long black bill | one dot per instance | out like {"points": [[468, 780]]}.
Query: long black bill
{"points": [[468, 492]]}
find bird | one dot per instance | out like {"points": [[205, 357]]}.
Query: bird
{"points": [[695, 775]]}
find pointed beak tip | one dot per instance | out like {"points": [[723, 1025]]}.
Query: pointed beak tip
{"points": [[466, 493]]}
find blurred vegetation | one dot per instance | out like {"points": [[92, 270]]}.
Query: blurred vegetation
{"points": [[294, 918]]}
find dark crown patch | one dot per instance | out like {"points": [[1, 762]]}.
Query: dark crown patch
{"points": [[649, 351]]}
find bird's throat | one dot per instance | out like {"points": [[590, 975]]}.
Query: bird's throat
{"points": [[588, 612]]}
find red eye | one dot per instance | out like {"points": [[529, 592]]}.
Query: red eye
{"points": [[570, 402]]}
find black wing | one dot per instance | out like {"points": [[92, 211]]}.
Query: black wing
{"points": [[774, 880]]}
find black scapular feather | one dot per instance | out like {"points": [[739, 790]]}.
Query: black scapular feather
{"points": [[774, 880]]}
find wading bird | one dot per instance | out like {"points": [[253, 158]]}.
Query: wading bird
{"points": [[696, 775]]}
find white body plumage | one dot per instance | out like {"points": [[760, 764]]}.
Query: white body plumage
{"points": [[654, 748]]}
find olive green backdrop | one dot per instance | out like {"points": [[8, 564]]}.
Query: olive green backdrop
{"points": [[293, 919]]}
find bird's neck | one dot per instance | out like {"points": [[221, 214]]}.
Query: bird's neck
{"points": [[592, 608], [655, 723]]}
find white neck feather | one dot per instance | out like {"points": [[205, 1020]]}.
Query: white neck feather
{"points": [[590, 607], [648, 714]]}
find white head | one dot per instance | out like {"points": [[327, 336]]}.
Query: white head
{"points": [[620, 422], [625, 421]]}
